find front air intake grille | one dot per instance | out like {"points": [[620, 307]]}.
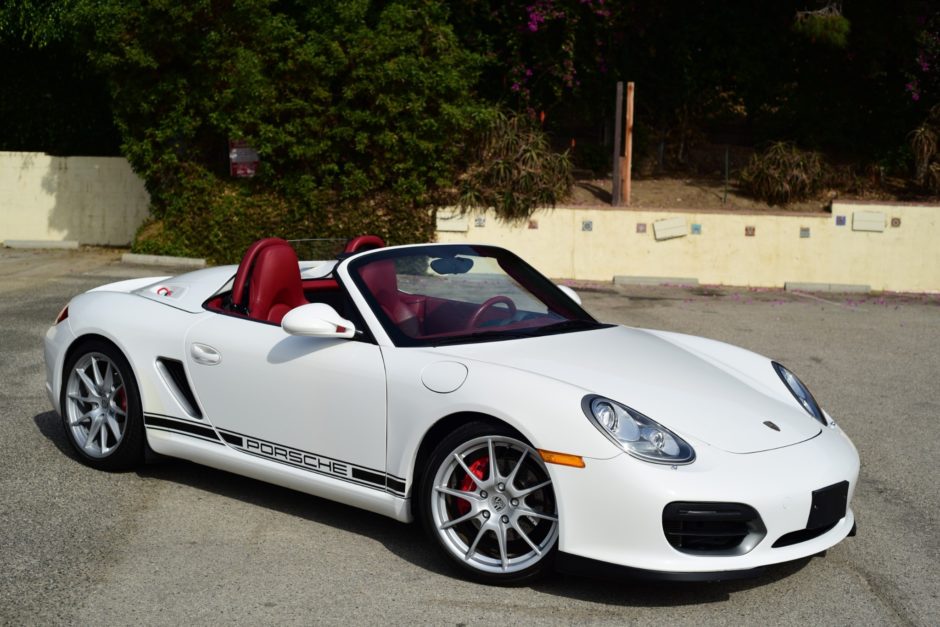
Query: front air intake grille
{"points": [[712, 528]]}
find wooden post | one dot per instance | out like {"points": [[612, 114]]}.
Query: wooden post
{"points": [[626, 171], [618, 131]]}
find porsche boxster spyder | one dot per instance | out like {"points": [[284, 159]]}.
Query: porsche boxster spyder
{"points": [[457, 386]]}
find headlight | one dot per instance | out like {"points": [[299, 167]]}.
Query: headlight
{"points": [[635, 433], [801, 393]]}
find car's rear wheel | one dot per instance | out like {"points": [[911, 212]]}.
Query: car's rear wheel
{"points": [[487, 500], [101, 408]]}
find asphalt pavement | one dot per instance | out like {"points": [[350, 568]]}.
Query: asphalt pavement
{"points": [[175, 543]]}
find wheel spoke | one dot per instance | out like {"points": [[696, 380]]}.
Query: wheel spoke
{"points": [[535, 488], [460, 494], [494, 468], [103, 432], [93, 429], [467, 470], [86, 416], [525, 511], [83, 399], [451, 523], [473, 546], [89, 384], [511, 478], [96, 372], [107, 383], [525, 536], [115, 428], [501, 540]]}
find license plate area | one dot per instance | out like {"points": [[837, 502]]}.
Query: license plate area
{"points": [[829, 505]]}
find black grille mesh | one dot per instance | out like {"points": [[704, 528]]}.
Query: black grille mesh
{"points": [[719, 528]]}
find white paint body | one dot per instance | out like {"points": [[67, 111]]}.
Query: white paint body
{"points": [[355, 413]]}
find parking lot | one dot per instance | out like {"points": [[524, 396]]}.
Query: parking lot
{"points": [[175, 543]]}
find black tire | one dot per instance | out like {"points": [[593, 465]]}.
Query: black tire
{"points": [[98, 386], [497, 529]]}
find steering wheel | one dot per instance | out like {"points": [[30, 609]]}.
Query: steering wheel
{"points": [[487, 304]]}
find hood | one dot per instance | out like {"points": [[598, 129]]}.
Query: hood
{"points": [[694, 394]]}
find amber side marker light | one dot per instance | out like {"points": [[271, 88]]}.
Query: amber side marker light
{"points": [[62, 314], [562, 459]]}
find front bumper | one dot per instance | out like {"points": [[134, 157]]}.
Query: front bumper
{"points": [[611, 511]]}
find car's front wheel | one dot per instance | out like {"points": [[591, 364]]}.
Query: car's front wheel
{"points": [[487, 500], [101, 408]]}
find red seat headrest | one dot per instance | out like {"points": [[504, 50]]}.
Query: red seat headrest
{"points": [[239, 297], [364, 242]]}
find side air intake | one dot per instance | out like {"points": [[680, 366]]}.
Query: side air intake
{"points": [[175, 377]]}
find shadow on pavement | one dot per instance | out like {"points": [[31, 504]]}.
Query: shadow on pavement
{"points": [[409, 543], [50, 425]]}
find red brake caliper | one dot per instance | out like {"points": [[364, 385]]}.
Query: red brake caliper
{"points": [[121, 399], [478, 468]]}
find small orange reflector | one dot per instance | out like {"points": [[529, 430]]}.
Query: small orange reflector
{"points": [[562, 459]]}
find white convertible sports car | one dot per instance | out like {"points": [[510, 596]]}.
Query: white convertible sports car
{"points": [[456, 385]]}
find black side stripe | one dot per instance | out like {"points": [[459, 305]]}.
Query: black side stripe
{"points": [[290, 456], [226, 432], [234, 440], [180, 426], [314, 462], [368, 476]]}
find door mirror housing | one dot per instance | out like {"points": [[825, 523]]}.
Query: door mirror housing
{"points": [[317, 320]]}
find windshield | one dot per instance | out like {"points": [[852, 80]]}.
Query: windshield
{"points": [[448, 294]]}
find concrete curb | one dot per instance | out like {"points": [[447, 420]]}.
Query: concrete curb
{"points": [[654, 280], [161, 260], [827, 287], [40, 243]]}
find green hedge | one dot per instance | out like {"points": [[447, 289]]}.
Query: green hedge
{"points": [[217, 219]]}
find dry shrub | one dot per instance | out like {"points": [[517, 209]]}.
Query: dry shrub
{"points": [[514, 170], [925, 144], [784, 173]]}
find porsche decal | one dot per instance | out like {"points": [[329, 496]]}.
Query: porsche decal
{"points": [[305, 460], [313, 462]]}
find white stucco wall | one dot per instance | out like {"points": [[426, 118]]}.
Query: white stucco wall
{"points": [[99, 200], [91, 200], [899, 258]]}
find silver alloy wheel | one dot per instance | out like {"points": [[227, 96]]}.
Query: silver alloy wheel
{"points": [[96, 405], [497, 517]]}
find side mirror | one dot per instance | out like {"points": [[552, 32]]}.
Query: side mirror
{"points": [[317, 320], [570, 293]]}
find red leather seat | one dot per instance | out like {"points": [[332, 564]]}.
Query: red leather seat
{"points": [[268, 283], [364, 242], [382, 281]]}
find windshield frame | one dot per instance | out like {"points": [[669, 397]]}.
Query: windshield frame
{"points": [[540, 287]]}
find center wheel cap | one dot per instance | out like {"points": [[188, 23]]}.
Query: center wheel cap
{"points": [[498, 503]]}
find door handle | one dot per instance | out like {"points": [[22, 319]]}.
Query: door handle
{"points": [[204, 354]]}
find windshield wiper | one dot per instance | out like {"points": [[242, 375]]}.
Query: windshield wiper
{"points": [[568, 325], [485, 336], [481, 336]]}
